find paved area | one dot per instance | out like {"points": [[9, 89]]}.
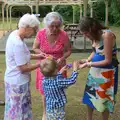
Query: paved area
{"points": [[78, 43], [3, 40]]}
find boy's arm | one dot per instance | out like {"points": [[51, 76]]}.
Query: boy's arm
{"points": [[65, 82]]}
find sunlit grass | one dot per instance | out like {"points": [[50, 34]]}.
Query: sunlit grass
{"points": [[75, 110]]}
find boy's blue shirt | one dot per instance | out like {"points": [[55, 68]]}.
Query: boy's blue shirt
{"points": [[54, 89]]}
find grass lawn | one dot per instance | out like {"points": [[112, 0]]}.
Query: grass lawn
{"points": [[75, 110]]}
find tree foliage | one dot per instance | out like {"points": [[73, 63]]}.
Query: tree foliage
{"points": [[115, 12], [67, 11]]}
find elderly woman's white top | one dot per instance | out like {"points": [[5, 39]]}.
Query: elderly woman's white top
{"points": [[17, 54]]}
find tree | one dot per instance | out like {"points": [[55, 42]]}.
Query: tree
{"points": [[115, 12], [66, 12]]}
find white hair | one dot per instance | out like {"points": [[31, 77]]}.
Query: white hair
{"points": [[28, 20], [50, 17]]}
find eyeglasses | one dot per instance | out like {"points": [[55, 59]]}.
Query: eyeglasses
{"points": [[55, 26]]}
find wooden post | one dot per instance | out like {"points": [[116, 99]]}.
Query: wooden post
{"points": [[73, 7], [91, 9], [81, 12], [106, 12], [85, 14], [10, 17], [31, 8], [85, 7], [7, 14], [37, 6], [3, 18]]}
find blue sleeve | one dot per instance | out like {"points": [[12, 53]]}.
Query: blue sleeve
{"points": [[65, 82], [43, 85]]}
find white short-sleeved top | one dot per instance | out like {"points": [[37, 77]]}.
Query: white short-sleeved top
{"points": [[17, 54]]}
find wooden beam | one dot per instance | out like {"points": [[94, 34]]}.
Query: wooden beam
{"points": [[49, 2]]}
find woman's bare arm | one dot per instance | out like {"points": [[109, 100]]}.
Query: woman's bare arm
{"points": [[36, 47], [67, 50], [28, 67], [38, 56], [90, 57]]}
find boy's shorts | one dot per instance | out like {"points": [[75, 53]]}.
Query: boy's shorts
{"points": [[56, 114]]}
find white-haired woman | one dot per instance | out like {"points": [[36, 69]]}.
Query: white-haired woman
{"points": [[51, 41], [17, 75]]}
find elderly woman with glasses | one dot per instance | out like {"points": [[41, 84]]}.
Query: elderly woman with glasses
{"points": [[17, 75], [52, 41]]}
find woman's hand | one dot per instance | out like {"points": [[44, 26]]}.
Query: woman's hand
{"points": [[41, 55], [86, 64], [83, 61], [38, 56], [75, 65], [60, 61], [83, 65]]}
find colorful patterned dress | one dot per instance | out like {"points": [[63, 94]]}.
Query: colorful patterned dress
{"points": [[56, 50], [102, 82]]}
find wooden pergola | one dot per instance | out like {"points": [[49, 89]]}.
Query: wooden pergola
{"points": [[8, 4]]}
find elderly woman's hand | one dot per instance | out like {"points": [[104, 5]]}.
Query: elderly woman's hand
{"points": [[41, 55], [38, 56], [60, 61]]}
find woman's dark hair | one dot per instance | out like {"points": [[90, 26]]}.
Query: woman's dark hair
{"points": [[88, 24]]}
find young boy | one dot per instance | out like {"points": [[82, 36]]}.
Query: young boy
{"points": [[54, 85]]}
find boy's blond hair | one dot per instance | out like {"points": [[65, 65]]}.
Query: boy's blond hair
{"points": [[48, 67]]}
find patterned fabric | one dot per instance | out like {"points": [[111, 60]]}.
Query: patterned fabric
{"points": [[56, 114], [102, 82], [99, 91], [54, 90], [17, 102], [56, 50], [116, 80]]}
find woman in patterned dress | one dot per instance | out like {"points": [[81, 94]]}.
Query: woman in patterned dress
{"points": [[102, 81], [18, 68], [51, 41]]}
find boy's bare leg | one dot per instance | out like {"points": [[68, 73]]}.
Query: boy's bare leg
{"points": [[44, 108]]}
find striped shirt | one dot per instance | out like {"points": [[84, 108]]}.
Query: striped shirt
{"points": [[54, 90]]}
